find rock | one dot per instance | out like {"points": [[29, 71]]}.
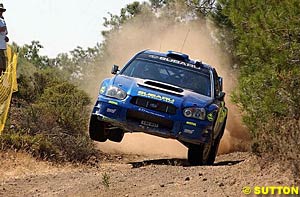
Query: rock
{"points": [[205, 179], [232, 182], [200, 174], [279, 182], [205, 190], [221, 184], [187, 178], [161, 185]]}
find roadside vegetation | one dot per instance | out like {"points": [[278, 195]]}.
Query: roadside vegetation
{"points": [[266, 47], [51, 109], [49, 115]]}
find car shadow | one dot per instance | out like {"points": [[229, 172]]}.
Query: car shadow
{"points": [[178, 162], [228, 163], [167, 162]]}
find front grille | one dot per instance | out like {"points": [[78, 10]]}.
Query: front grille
{"points": [[137, 116], [154, 105]]}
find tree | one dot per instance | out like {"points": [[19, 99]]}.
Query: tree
{"points": [[31, 53], [114, 22]]}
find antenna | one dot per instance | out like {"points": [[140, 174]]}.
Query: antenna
{"points": [[186, 36], [161, 39], [160, 44]]}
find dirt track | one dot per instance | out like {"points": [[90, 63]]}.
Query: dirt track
{"points": [[135, 175]]}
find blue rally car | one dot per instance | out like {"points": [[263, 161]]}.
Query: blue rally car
{"points": [[166, 95]]}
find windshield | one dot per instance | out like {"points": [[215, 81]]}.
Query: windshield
{"points": [[171, 74]]}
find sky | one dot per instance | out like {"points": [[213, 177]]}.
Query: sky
{"points": [[59, 25]]}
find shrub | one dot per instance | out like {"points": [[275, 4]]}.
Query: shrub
{"points": [[38, 145], [280, 136], [32, 86], [266, 44], [67, 105], [54, 113]]}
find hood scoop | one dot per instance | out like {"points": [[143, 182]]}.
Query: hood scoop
{"points": [[162, 87]]}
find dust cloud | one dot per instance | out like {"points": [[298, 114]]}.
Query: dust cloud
{"points": [[201, 43]]}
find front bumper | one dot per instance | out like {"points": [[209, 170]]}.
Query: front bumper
{"points": [[132, 118]]}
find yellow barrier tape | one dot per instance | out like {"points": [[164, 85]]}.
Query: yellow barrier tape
{"points": [[8, 85]]}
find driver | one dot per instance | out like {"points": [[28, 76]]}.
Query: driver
{"points": [[150, 72]]}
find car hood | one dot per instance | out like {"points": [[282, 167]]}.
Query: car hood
{"points": [[181, 97]]}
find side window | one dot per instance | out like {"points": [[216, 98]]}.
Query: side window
{"points": [[216, 83]]}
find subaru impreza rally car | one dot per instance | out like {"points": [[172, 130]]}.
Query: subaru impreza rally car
{"points": [[167, 95]]}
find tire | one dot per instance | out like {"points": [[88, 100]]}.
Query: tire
{"points": [[97, 130], [195, 155], [116, 135], [199, 154], [216, 143]]}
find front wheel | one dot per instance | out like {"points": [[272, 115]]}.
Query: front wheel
{"points": [[116, 135], [215, 146], [199, 154], [97, 129]]}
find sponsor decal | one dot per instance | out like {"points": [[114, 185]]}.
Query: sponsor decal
{"points": [[210, 117], [149, 112], [174, 61], [156, 96], [113, 102], [189, 131], [191, 123], [102, 90], [222, 114], [109, 110], [153, 105]]}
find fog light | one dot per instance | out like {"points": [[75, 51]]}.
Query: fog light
{"points": [[188, 113]]}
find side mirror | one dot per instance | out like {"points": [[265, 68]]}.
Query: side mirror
{"points": [[114, 69], [221, 96], [221, 83]]}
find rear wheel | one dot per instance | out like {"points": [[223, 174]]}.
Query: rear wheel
{"points": [[97, 129]]}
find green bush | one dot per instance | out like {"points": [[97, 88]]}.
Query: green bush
{"points": [[32, 86], [67, 105], [266, 43], [54, 113], [58, 147]]}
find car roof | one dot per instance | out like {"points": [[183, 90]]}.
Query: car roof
{"points": [[184, 57]]}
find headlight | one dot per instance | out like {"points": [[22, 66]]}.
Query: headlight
{"points": [[116, 92], [193, 112]]}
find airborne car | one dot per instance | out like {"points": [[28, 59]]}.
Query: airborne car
{"points": [[166, 95]]}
